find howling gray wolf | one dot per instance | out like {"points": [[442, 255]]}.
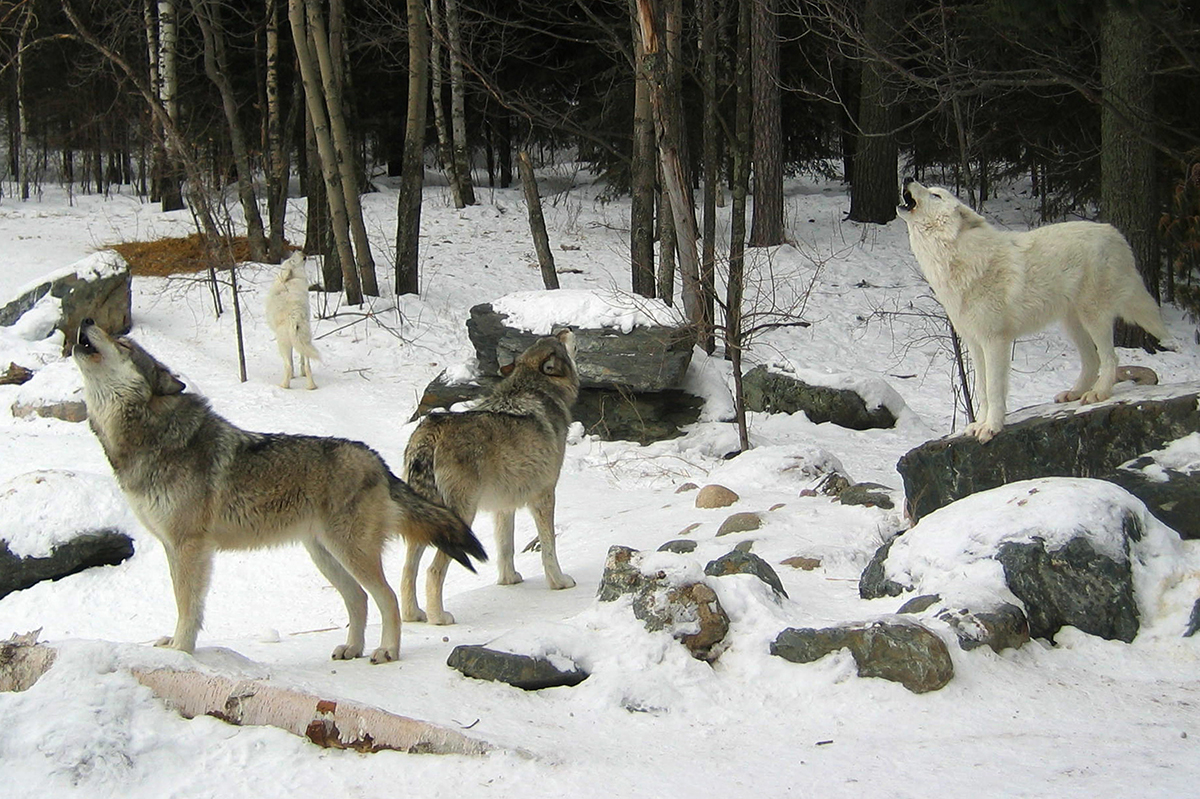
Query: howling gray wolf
{"points": [[287, 316], [504, 454], [201, 484], [996, 286]]}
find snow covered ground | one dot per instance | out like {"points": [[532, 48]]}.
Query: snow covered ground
{"points": [[1084, 718]]}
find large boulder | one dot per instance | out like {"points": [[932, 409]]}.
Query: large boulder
{"points": [[1114, 441], [774, 392], [86, 549], [900, 651], [645, 358], [1065, 551], [96, 287]]}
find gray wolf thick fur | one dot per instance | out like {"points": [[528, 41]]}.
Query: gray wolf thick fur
{"points": [[200, 484], [288, 317], [996, 286], [504, 454]]}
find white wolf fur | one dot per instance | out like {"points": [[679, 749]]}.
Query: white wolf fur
{"points": [[996, 286], [287, 316]]}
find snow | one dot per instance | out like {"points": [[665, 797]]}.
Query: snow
{"points": [[1085, 717], [529, 310]]}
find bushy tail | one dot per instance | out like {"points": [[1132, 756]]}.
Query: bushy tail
{"points": [[1142, 310], [302, 340], [430, 523]]}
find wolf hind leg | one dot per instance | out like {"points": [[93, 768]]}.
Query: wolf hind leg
{"points": [[1101, 333], [542, 509], [410, 609], [191, 567], [359, 549], [435, 580], [1089, 359], [352, 594], [285, 352]]}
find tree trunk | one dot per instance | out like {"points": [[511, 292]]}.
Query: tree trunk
{"points": [[711, 170], [458, 115], [767, 120], [24, 160], [1126, 159], [875, 188], [737, 231], [412, 172], [277, 154], [668, 246], [329, 171], [217, 69], [643, 177], [445, 148], [668, 128], [537, 223], [343, 150], [170, 189]]}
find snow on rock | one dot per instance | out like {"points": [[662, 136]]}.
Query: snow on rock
{"points": [[540, 312], [41, 509]]}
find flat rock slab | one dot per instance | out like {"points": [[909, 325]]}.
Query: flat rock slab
{"points": [[522, 671], [778, 393], [88, 549], [1068, 441]]}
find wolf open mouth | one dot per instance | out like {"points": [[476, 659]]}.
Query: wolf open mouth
{"points": [[84, 344], [910, 202]]}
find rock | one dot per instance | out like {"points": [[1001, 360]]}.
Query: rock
{"points": [[691, 528], [802, 563], [1074, 585], [920, 604], [1003, 628], [906, 653], [1193, 621], [871, 495], [15, 375], [646, 359], [1093, 441], [680, 546], [97, 287], [690, 611], [742, 522], [738, 562], [66, 410], [106, 547], [521, 671], [874, 582], [715, 496], [777, 393], [683, 489], [609, 414]]}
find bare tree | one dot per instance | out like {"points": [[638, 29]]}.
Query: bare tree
{"points": [[711, 169], [277, 152], [169, 189], [458, 116], [412, 170], [874, 190], [643, 172], [767, 121], [739, 187], [537, 223], [445, 147]]}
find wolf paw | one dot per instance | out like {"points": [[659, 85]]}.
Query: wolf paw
{"points": [[385, 655], [982, 431], [563, 581], [1094, 396], [512, 578], [347, 652], [441, 619], [1066, 396], [412, 615]]}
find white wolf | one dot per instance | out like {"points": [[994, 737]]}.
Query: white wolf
{"points": [[996, 286], [287, 316]]}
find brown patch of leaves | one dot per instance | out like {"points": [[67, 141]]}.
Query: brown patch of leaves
{"points": [[175, 256]]}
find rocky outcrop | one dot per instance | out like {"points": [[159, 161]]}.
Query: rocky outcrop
{"points": [[522, 671], [646, 359], [91, 548], [779, 393], [690, 611], [97, 287], [1069, 442], [903, 652]]}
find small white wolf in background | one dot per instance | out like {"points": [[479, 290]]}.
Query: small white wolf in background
{"points": [[287, 315], [996, 286]]}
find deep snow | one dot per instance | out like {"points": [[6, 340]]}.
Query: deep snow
{"points": [[1082, 718]]}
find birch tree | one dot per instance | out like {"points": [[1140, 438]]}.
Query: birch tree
{"points": [[170, 190], [458, 115]]}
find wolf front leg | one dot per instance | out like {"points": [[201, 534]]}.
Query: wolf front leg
{"points": [[542, 509], [190, 564]]}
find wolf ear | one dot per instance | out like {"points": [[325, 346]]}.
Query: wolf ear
{"points": [[507, 369], [165, 384], [554, 367], [567, 338], [969, 218]]}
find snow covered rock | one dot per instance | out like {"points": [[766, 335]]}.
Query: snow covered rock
{"points": [[900, 651], [522, 671], [740, 562], [667, 592], [86, 549], [1006, 627], [96, 287], [845, 405], [1068, 551], [1115, 441], [619, 344]]}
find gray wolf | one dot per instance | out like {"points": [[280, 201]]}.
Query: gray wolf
{"points": [[504, 454], [996, 286], [287, 316], [200, 484]]}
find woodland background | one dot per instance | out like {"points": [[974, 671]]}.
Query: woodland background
{"points": [[676, 102]]}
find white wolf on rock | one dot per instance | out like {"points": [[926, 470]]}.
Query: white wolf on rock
{"points": [[997, 285]]}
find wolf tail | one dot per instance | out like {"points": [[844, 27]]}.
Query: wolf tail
{"points": [[1141, 309], [302, 340], [430, 523]]}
